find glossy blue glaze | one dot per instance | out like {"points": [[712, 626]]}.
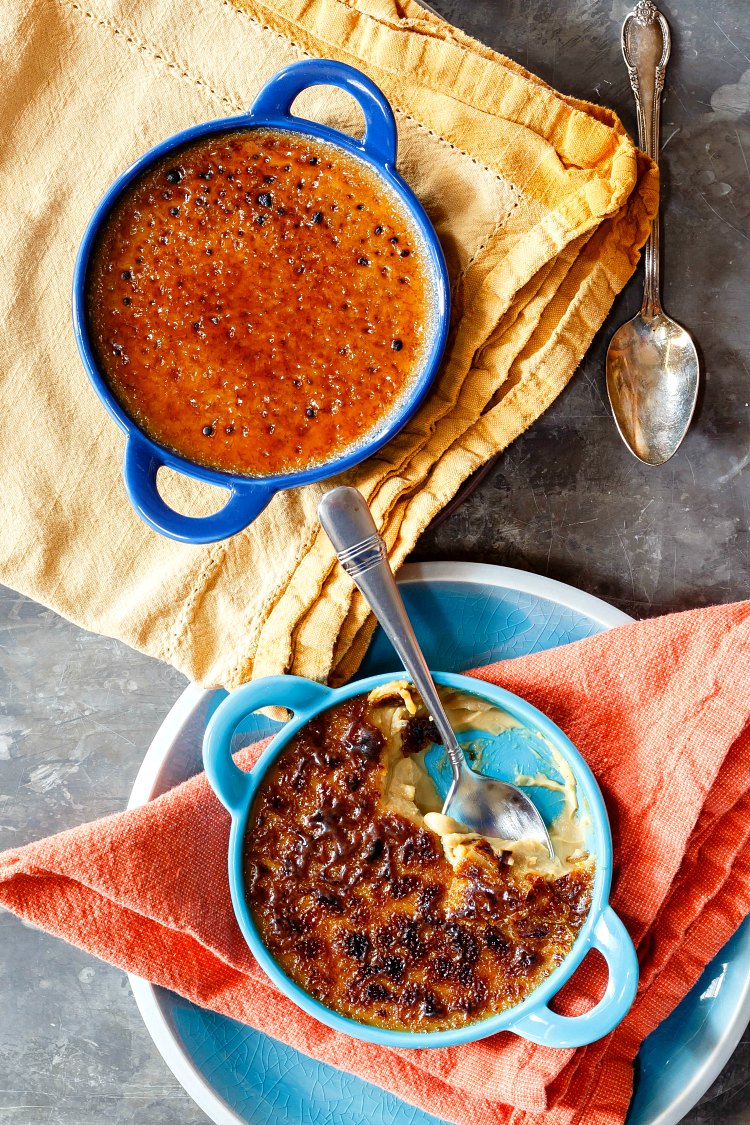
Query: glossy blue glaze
{"points": [[248, 496], [602, 929]]}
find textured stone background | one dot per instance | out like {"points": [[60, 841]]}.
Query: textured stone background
{"points": [[567, 500]]}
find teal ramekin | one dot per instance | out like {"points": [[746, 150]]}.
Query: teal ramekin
{"points": [[532, 1018]]}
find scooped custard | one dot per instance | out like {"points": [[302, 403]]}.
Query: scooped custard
{"points": [[380, 907], [258, 302]]}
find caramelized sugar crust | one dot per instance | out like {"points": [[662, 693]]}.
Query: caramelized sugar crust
{"points": [[359, 906], [258, 302]]}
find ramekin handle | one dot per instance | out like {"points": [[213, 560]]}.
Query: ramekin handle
{"points": [[276, 97], [229, 782], [139, 468], [544, 1026]]}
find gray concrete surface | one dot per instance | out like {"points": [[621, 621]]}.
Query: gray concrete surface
{"points": [[567, 500]]}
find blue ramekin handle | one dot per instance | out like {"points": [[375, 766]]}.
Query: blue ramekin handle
{"points": [[229, 782], [139, 468], [553, 1030], [276, 97]]}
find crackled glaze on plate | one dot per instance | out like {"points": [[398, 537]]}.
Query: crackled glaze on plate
{"points": [[465, 615]]}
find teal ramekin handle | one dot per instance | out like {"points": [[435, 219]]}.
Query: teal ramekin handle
{"points": [[231, 784], [553, 1030]]}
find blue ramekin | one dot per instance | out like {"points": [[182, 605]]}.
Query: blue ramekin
{"points": [[532, 1018], [248, 496]]}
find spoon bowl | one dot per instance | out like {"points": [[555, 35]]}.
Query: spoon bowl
{"points": [[494, 808], [652, 382]]}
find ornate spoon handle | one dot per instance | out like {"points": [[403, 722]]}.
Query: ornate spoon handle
{"points": [[645, 46]]}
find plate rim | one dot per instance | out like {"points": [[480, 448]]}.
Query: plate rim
{"points": [[712, 1067], [471, 573]]}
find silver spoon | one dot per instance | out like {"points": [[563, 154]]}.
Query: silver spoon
{"points": [[652, 364], [483, 804]]}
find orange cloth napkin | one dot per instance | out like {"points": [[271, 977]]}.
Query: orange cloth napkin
{"points": [[660, 709]]}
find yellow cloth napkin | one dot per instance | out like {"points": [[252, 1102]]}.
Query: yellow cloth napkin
{"points": [[541, 204]]}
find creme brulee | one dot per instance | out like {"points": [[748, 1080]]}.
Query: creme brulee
{"points": [[258, 302], [385, 911]]}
